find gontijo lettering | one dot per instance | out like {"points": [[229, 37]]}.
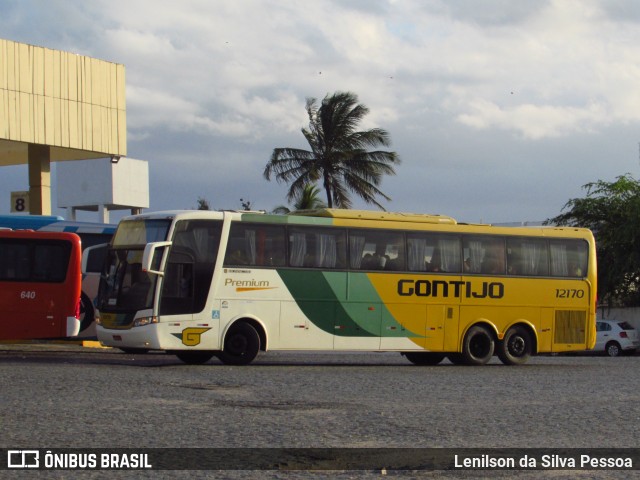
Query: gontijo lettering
{"points": [[452, 288]]}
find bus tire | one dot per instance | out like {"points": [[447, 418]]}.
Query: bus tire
{"points": [[478, 345], [516, 347], [87, 312], [424, 358], [241, 345], [194, 357]]}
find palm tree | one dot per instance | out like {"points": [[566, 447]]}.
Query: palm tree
{"points": [[308, 200], [338, 157]]}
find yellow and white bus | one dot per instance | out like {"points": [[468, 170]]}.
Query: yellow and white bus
{"points": [[231, 284]]}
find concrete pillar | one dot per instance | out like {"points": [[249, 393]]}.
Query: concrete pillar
{"points": [[103, 213], [39, 179]]}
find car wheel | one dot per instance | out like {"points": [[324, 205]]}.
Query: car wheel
{"points": [[613, 349]]}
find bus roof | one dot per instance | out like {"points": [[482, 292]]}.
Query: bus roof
{"points": [[53, 223], [377, 215], [328, 216], [31, 222]]}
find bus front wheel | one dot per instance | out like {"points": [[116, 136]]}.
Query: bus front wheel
{"points": [[478, 346], [516, 347], [241, 345]]}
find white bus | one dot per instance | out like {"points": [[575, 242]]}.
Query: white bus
{"points": [[232, 284]]}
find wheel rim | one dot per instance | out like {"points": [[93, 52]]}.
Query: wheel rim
{"points": [[613, 350], [237, 345], [479, 345], [517, 346]]}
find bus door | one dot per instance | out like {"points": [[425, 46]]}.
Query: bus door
{"points": [[177, 296], [439, 317], [186, 283]]}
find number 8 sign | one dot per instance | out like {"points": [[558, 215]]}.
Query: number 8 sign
{"points": [[20, 202]]}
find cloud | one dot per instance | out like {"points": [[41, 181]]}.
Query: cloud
{"points": [[468, 86], [534, 122]]}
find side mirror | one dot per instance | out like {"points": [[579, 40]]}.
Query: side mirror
{"points": [[151, 261]]}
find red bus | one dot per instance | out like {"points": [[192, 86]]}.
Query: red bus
{"points": [[91, 234], [40, 284]]}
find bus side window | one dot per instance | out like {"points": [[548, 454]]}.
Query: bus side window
{"points": [[485, 255], [428, 252], [527, 257], [376, 250], [314, 247], [568, 258], [256, 245]]}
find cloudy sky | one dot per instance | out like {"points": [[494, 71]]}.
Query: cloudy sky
{"points": [[500, 110]]}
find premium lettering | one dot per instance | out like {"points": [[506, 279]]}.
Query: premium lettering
{"points": [[246, 283]]}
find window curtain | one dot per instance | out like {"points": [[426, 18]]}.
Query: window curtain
{"points": [[326, 251], [298, 249], [559, 260], [250, 246], [356, 247], [531, 256], [476, 253], [450, 255], [417, 248]]}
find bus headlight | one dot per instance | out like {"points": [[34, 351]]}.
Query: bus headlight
{"points": [[142, 321]]}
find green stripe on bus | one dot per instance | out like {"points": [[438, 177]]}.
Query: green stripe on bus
{"points": [[322, 298]]}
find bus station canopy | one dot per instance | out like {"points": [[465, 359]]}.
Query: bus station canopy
{"points": [[72, 103]]}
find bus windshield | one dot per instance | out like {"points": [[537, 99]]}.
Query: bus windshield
{"points": [[125, 286], [140, 232]]}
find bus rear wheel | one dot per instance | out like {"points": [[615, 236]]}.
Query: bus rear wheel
{"points": [[424, 358], [241, 345], [516, 347], [194, 357], [478, 346]]}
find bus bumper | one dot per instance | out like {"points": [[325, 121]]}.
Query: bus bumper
{"points": [[137, 337]]}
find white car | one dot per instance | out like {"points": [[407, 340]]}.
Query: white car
{"points": [[615, 337]]}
